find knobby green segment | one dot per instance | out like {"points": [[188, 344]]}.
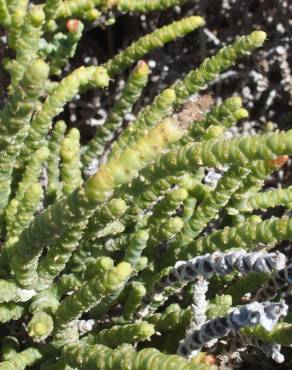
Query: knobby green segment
{"points": [[253, 182], [63, 248], [212, 204], [44, 230], [267, 199], [120, 169], [18, 11], [29, 178], [24, 215], [105, 214], [5, 18], [32, 172], [11, 292], [102, 358], [10, 311], [135, 247], [246, 235], [64, 92], [70, 155], [130, 94], [164, 232], [211, 153], [197, 193], [142, 195], [98, 266], [50, 8], [53, 169], [58, 255], [14, 121], [172, 319], [91, 294], [145, 6], [219, 306], [69, 8], [18, 110], [167, 206], [147, 118], [22, 360], [211, 67], [67, 283], [118, 335], [149, 42], [25, 39], [136, 293]]}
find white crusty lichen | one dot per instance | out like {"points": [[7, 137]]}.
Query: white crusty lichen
{"points": [[266, 314]]}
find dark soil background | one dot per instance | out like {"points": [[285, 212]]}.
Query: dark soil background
{"points": [[263, 80]]}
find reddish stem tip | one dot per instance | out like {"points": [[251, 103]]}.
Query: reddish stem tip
{"points": [[72, 25], [279, 161]]}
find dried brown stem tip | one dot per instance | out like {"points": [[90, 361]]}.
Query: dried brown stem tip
{"points": [[279, 161], [194, 110]]}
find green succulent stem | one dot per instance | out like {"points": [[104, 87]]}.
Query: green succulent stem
{"points": [[120, 334], [5, 18], [221, 61], [90, 294], [173, 318], [69, 8], [104, 134], [151, 41], [15, 120], [25, 33], [135, 247], [25, 214], [70, 155], [10, 311], [64, 92], [212, 204], [103, 358], [147, 118], [22, 360], [267, 199], [167, 206], [108, 212], [134, 298], [79, 206], [54, 183], [145, 6], [11, 292], [253, 182], [246, 235], [238, 151]]}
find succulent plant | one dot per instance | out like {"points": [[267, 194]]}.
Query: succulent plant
{"points": [[117, 253]]}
